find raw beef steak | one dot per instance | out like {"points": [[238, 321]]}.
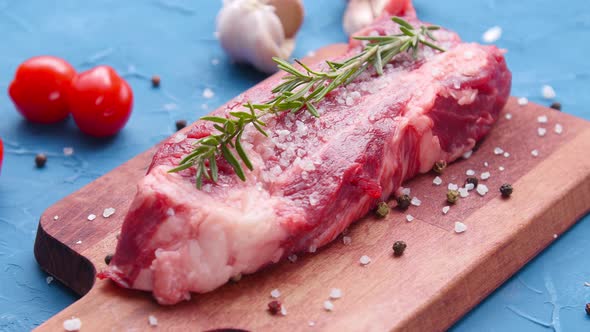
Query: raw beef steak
{"points": [[312, 177]]}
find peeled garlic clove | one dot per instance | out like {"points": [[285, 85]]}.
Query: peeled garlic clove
{"points": [[291, 13], [251, 32]]}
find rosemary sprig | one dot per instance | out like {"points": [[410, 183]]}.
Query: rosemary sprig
{"points": [[300, 89]]}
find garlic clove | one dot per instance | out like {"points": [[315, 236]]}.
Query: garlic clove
{"points": [[291, 13], [250, 31], [361, 13]]}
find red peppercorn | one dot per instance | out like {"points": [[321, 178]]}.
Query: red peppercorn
{"points": [[274, 307]]}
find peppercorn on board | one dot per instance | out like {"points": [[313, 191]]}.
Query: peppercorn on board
{"points": [[439, 277]]}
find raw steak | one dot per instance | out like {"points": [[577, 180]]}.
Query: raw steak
{"points": [[313, 177]]}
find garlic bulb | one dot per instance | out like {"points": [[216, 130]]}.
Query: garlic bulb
{"points": [[251, 32]]}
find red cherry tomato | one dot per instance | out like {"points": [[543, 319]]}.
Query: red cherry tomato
{"points": [[101, 101], [39, 89], [1, 153]]}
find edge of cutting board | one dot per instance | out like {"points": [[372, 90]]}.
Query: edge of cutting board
{"points": [[432, 293]]}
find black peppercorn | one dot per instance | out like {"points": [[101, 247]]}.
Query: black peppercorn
{"points": [[399, 247], [40, 160], [506, 190], [473, 180], [382, 210], [556, 106], [180, 124], [108, 258], [588, 309], [452, 196], [439, 166], [156, 81], [274, 307], [403, 202]]}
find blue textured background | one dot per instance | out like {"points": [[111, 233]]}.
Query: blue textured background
{"points": [[547, 43]]}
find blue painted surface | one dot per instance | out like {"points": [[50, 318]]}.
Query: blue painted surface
{"points": [[547, 42]]}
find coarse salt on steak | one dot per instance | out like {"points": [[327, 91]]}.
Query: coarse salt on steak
{"points": [[312, 177]]}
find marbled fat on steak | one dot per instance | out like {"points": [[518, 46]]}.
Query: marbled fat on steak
{"points": [[313, 177]]}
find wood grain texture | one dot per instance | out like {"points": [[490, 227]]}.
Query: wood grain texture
{"points": [[440, 277]]}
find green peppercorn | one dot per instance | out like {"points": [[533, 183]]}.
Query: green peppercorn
{"points": [[473, 180], [439, 166], [382, 210], [398, 248], [108, 258], [556, 106], [506, 190], [452, 196], [403, 202], [40, 160]]}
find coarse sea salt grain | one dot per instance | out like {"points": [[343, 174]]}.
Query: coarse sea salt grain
{"points": [[506, 154], [335, 293], [508, 116], [492, 34], [312, 248], [470, 172], [283, 310], [91, 217], [152, 320], [470, 186], [463, 192], [460, 227], [347, 240], [406, 191], [558, 129], [275, 293], [49, 279], [292, 258], [548, 92], [208, 93], [409, 218], [364, 260], [328, 305], [542, 119], [55, 217], [485, 175], [108, 212], [498, 150], [467, 154], [452, 186], [79, 242], [482, 189], [311, 323], [535, 153], [437, 181], [501, 168], [523, 101], [68, 151], [446, 209], [415, 201], [73, 324], [541, 132], [486, 164]]}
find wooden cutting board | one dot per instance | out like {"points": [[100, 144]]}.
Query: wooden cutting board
{"points": [[440, 277]]}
